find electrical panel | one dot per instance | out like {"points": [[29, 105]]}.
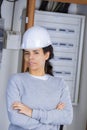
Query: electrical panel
{"points": [[66, 31]]}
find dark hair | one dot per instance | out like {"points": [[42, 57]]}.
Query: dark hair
{"points": [[48, 66]]}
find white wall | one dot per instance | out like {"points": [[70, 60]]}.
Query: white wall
{"points": [[11, 59], [12, 63]]}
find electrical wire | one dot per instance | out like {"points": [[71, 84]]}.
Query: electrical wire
{"points": [[11, 0], [43, 5], [14, 2], [54, 6], [62, 7], [1, 1]]}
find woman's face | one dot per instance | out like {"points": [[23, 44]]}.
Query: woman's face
{"points": [[36, 59]]}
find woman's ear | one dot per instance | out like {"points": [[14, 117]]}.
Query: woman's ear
{"points": [[47, 55]]}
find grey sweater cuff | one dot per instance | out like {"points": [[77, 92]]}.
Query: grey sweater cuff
{"points": [[39, 114], [35, 114]]}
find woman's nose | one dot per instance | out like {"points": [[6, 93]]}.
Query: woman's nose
{"points": [[30, 56]]}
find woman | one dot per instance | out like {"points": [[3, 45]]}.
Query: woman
{"points": [[35, 99]]}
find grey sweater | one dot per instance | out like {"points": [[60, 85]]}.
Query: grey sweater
{"points": [[42, 96]]}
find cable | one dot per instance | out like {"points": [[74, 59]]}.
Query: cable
{"points": [[1, 1], [62, 7], [14, 1], [43, 5], [11, 0], [54, 6]]}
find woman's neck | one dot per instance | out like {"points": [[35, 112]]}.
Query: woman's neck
{"points": [[37, 73]]}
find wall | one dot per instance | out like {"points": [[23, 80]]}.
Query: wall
{"points": [[11, 59], [11, 64]]}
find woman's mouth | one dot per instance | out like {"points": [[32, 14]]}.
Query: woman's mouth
{"points": [[31, 63]]}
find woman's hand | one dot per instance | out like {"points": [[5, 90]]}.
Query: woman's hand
{"points": [[60, 106], [23, 109]]}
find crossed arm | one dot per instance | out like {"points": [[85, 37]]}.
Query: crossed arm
{"points": [[23, 109]]}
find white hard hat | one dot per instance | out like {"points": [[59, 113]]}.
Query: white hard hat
{"points": [[36, 37]]}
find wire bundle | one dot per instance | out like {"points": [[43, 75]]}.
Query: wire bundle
{"points": [[54, 6], [12, 0]]}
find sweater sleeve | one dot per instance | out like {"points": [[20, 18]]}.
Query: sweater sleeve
{"points": [[12, 95], [55, 116]]}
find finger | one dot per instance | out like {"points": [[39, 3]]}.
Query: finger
{"points": [[60, 106], [16, 103], [16, 107], [20, 111]]}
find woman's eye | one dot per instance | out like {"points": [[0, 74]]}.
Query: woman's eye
{"points": [[26, 53], [36, 52]]}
